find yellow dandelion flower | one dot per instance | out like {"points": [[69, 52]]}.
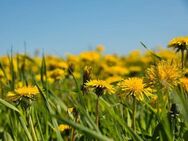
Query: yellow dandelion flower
{"points": [[118, 70], [72, 59], [5, 60], [38, 77], [56, 74], [100, 86], [28, 92], [61, 65], [180, 43], [184, 83], [53, 62], [136, 87], [49, 79], [37, 60], [134, 56], [164, 74], [111, 59], [77, 75], [114, 70], [90, 56], [63, 127]]}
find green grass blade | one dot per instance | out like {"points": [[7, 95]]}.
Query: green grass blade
{"points": [[151, 52], [10, 106], [121, 122], [52, 113], [86, 130], [25, 128]]}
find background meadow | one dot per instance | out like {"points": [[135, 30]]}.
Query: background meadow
{"points": [[140, 96]]}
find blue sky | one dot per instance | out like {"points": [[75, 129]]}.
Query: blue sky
{"points": [[71, 26]]}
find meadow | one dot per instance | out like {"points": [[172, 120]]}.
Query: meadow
{"points": [[141, 96]]}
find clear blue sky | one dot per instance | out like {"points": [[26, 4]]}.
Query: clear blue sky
{"points": [[61, 26]]}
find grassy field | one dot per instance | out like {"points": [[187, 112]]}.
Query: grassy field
{"points": [[96, 96]]}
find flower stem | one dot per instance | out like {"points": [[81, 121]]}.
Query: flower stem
{"points": [[134, 113], [97, 111]]}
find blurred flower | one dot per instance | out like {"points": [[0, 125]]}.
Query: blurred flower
{"points": [[135, 69], [115, 70], [56, 74], [5, 60], [134, 56], [49, 79], [112, 60], [89, 56], [53, 62], [72, 59], [77, 75], [113, 79], [135, 86], [119, 70]]}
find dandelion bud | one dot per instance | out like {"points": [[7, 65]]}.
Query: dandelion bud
{"points": [[86, 77]]}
